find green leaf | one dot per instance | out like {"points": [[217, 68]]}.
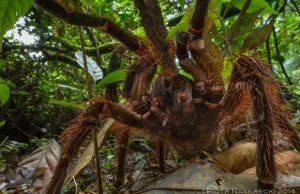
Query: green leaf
{"points": [[93, 69], [2, 63], [4, 92], [75, 105], [227, 67], [242, 25], [113, 77], [2, 123], [10, 11], [181, 3], [254, 6], [87, 2], [258, 37], [139, 32], [279, 58]]}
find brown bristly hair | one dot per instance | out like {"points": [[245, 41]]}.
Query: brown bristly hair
{"points": [[71, 140]]}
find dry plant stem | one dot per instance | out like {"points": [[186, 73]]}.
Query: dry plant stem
{"points": [[161, 156], [123, 141], [98, 167]]}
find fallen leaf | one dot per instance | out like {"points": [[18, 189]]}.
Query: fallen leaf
{"points": [[88, 153]]}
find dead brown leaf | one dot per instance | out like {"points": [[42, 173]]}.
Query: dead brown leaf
{"points": [[237, 158], [88, 153], [38, 167]]}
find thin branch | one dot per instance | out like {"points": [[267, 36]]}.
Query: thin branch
{"points": [[35, 47], [278, 53], [90, 51], [93, 39], [58, 58], [269, 51], [98, 167], [295, 5]]}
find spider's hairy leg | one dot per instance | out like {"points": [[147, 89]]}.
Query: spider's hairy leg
{"points": [[235, 104], [182, 39], [139, 77], [136, 90], [199, 51], [257, 77], [79, 128]]}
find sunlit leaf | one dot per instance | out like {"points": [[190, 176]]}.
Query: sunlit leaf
{"points": [[113, 77], [93, 69], [181, 3], [139, 32], [2, 123], [2, 63], [4, 92], [258, 37], [254, 6], [10, 11]]}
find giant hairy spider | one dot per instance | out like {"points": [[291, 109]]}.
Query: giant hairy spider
{"points": [[191, 115]]}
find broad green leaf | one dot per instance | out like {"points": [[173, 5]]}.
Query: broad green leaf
{"points": [[254, 6], [242, 25], [113, 77], [10, 11], [2, 63], [4, 92], [93, 69], [139, 32], [75, 105], [258, 37], [87, 2]]}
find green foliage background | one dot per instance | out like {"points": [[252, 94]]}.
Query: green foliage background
{"points": [[42, 86]]}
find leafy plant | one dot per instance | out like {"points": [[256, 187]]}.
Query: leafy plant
{"points": [[11, 10]]}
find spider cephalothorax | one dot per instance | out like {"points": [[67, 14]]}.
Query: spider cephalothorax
{"points": [[189, 114]]}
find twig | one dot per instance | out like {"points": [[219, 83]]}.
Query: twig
{"points": [[295, 5], [280, 62], [98, 167], [76, 187]]}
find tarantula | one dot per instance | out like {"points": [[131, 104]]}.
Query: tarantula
{"points": [[189, 114]]}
